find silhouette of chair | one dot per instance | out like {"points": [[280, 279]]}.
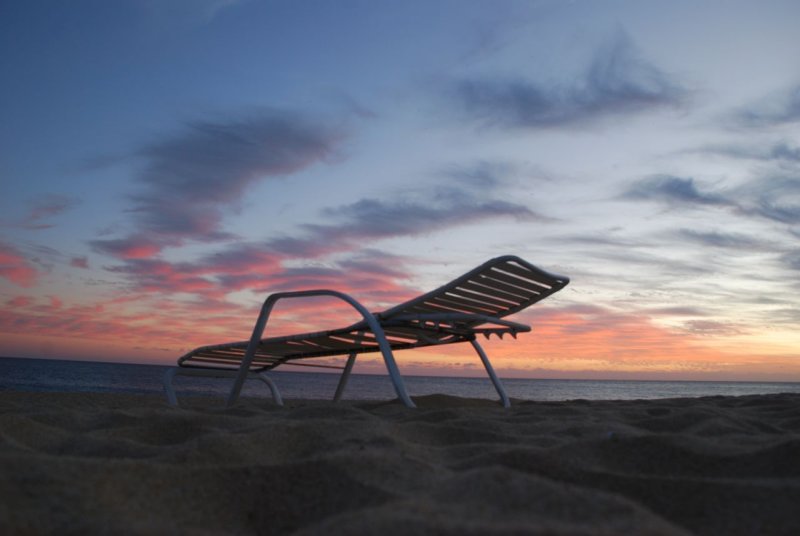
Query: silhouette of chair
{"points": [[474, 304]]}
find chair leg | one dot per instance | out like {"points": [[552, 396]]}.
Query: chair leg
{"points": [[495, 380], [348, 368], [276, 395], [172, 399], [391, 367]]}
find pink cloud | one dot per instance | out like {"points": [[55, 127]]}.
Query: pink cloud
{"points": [[15, 268], [79, 262], [133, 247], [20, 301]]}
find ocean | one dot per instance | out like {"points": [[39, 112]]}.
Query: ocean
{"points": [[48, 375]]}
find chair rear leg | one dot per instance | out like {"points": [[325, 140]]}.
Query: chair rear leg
{"points": [[169, 389], [276, 394], [169, 377], [348, 368], [495, 380]]}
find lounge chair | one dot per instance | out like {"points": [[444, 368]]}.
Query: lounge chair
{"points": [[474, 304]]}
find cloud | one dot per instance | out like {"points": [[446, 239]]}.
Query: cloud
{"points": [[153, 275], [711, 327], [674, 191], [79, 262], [792, 260], [15, 268], [773, 198], [329, 252], [354, 228], [369, 274], [19, 302], [463, 195], [373, 218], [676, 311], [776, 199], [780, 109], [369, 219], [722, 240], [617, 81], [782, 151], [132, 247], [190, 179], [44, 207]]}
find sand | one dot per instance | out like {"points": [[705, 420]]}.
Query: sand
{"points": [[99, 463]]}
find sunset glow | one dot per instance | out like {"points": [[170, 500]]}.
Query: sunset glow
{"points": [[167, 165]]}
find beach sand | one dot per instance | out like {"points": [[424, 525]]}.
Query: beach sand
{"points": [[91, 463]]}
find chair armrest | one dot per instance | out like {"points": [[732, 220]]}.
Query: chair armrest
{"points": [[266, 310]]}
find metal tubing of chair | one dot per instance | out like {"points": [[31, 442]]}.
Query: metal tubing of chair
{"points": [[344, 377], [276, 394], [172, 400], [255, 339], [490, 370], [348, 368], [369, 318], [391, 366]]}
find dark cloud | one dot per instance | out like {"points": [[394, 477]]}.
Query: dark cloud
{"points": [[358, 223], [792, 260], [784, 151], [776, 211], [722, 240], [677, 311], [131, 247], [602, 240], [467, 195], [273, 263], [777, 199], [674, 191], [483, 174], [775, 110], [253, 266], [617, 81], [781, 151], [45, 207], [192, 178], [79, 262], [666, 266], [373, 218], [214, 162], [153, 275], [711, 328]]}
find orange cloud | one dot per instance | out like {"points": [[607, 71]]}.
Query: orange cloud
{"points": [[566, 342]]}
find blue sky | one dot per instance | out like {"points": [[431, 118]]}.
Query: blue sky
{"points": [[160, 157]]}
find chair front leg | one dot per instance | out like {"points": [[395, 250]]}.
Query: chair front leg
{"points": [[490, 370]]}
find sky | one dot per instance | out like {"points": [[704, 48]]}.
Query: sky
{"points": [[166, 164]]}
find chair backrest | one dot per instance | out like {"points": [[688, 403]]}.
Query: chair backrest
{"points": [[497, 288]]}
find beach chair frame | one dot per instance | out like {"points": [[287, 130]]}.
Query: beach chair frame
{"points": [[471, 305]]}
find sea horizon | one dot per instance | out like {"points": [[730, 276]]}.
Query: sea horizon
{"points": [[49, 375]]}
